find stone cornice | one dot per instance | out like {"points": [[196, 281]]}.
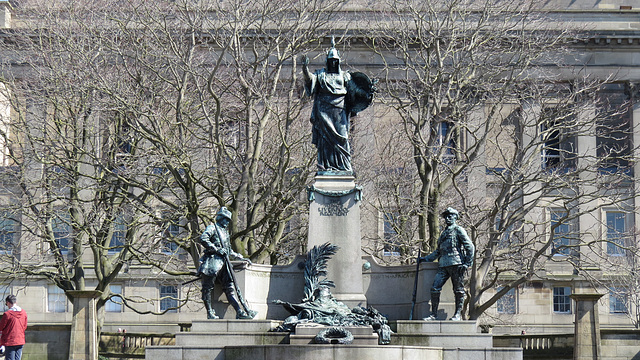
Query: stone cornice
{"points": [[614, 39]]}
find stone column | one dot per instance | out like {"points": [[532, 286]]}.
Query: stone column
{"points": [[534, 220], [5, 14], [478, 172], [587, 327], [635, 121], [5, 119], [590, 220], [334, 216], [83, 344]]}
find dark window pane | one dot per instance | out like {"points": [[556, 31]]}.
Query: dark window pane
{"points": [[561, 299]]}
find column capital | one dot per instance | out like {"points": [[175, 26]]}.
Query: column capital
{"points": [[586, 297]]}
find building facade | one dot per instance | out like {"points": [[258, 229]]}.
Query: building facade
{"points": [[576, 211]]}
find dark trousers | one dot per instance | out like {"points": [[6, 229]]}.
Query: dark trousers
{"points": [[13, 352], [455, 272], [223, 277]]}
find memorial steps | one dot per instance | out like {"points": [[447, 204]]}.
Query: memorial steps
{"points": [[252, 340]]}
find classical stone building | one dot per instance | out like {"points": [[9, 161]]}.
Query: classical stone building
{"points": [[610, 49]]}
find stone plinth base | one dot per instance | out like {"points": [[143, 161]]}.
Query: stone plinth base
{"points": [[84, 326], [587, 344], [220, 333], [440, 327], [233, 325], [334, 217], [444, 334], [305, 333], [331, 352], [242, 340]]}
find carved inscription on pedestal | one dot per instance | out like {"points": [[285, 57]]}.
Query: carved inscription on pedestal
{"points": [[333, 208]]}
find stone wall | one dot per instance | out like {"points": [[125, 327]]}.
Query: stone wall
{"points": [[390, 289], [47, 342], [616, 344], [387, 288], [620, 344]]}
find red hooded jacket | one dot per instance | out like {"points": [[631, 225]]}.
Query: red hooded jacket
{"points": [[13, 326]]}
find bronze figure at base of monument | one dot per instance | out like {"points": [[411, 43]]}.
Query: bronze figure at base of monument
{"points": [[216, 265], [455, 253]]}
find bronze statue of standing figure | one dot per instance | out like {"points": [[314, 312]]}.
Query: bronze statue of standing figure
{"points": [[455, 254], [338, 96], [215, 264]]}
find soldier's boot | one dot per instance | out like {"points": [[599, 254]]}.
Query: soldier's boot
{"points": [[457, 316], [435, 302], [206, 299], [232, 297]]}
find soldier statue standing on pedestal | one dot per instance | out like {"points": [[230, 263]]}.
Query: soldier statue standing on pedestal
{"points": [[215, 264], [455, 252]]}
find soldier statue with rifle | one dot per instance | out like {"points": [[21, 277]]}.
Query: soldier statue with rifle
{"points": [[215, 264], [455, 253]]}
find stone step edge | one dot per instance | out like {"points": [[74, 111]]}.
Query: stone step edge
{"points": [[234, 333], [368, 340], [338, 345], [442, 334]]}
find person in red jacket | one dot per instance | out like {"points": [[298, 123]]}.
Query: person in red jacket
{"points": [[13, 326]]}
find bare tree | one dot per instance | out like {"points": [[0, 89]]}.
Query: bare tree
{"points": [[618, 261], [134, 121], [227, 88], [71, 153], [494, 129]]}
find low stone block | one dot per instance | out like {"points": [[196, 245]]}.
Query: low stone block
{"points": [[221, 339], [331, 352], [222, 325], [314, 329], [371, 339], [430, 327], [422, 353], [201, 353], [163, 352], [504, 354], [482, 354], [306, 333], [254, 353], [626, 352], [366, 352], [443, 340]]}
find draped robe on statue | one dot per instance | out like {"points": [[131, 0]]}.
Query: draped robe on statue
{"points": [[330, 119]]}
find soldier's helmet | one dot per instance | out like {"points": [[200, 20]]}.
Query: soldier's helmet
{"points": [[333, 53], [450, 210], [333, 58], [224, 212]]}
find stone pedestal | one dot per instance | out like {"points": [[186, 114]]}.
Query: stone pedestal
{"points": [[252, 340], [84, 326], [334, 216], [587, 327]]}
